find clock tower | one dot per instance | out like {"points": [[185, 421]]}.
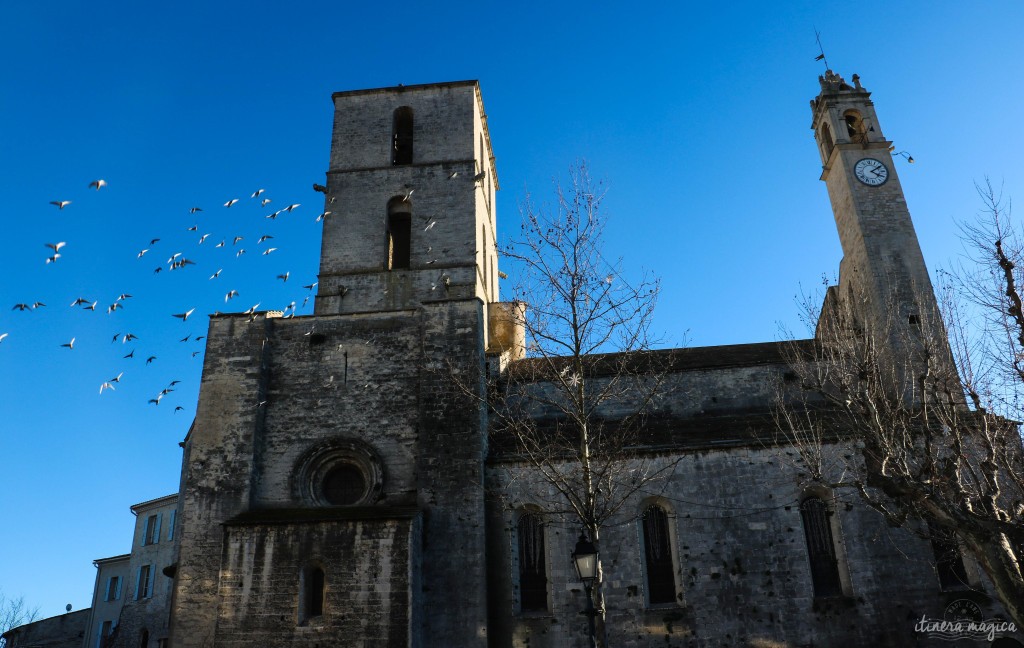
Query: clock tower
{"points": [[883, 280]]}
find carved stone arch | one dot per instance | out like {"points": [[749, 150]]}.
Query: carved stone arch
{"points": [[530, 560], [824, 544], [399, 233], [856, 129], [339, 472]]}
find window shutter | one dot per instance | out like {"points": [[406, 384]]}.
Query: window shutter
{"points": [[152, 582], [117, 590], [110, 583], [138, 584], [156, 532], [170, 529]]}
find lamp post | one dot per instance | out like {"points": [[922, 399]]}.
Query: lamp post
{"points": [[585, 558]]}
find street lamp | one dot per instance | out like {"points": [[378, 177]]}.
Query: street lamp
{"points": [[585, 558]]}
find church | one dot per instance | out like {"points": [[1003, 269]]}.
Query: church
{"points": [[340, 487]]}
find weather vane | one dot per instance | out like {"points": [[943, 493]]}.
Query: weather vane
{"points": [[821, 56]]}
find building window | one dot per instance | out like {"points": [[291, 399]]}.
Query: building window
{"points": [[344, 485], [401, 139], [949, 564], [660, 576], [533, 579], [103, 640], [113, 592], [312, 585], [144, 639], [170, 525], [826, 142], [399, 233], [821, 548], [855, 127], [144, 584], [152, 533]]}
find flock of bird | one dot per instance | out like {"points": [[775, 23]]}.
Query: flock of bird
{"points": [[178, 261]]}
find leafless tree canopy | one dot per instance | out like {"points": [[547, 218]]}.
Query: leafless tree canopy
{"points": [[572, 411], [13, 613], [879, 407]]}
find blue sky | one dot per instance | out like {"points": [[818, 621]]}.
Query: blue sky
{"points": [[696, 115]]}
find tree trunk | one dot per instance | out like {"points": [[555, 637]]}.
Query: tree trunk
{"points": [[997, 562]]}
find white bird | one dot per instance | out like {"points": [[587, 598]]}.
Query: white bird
{"points": [[116, 378], [106, 385], [96, 184], [184, 316], [264, 202], [143, 253], [221, 244], [240, 252], [216, 274], [203, 238], [256, 193], [80, 300], [268, 251], [70, 345], [195, 209], [61, 204], [275, 214], [311, 286], [291, 207], [237, 239], [323, 216], [231, 295], [3, 335], [264, 238], [193, 228], [91, 306], [284, 277], [52, 259], [56, 246], [453, 174], [231, 202]]}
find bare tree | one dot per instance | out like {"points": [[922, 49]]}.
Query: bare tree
{"points": [[880, 408], [13, 613], [570, 413]]}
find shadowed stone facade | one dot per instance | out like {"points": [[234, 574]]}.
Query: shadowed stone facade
{"points": [[340, 488]]}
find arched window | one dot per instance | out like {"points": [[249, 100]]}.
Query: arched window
{"points": [[949, 564], [826, 142], [661, 581], [399, 233], [401, 138], [312, 584], [533, 578], [821, 548], [855, 126]]}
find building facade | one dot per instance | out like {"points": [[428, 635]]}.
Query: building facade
{"points": [[342, 486]]}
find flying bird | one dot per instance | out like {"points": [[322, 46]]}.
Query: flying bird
{"points": [[70, 345], [221, 244], [291, 207], [323, 216], [231, 202], [117, 378], [284, 277], [240, 252], [203, 238], [96, 184], [56, 246], [236, 239], [173, 383], [216, 274], [263, 203], [61, 204], [264, 238], [143, 253], [113, 307], [37, 304], [185, 339], [268, 251], [91, 306], [178, 409], [453, 174], [150, 359], [131, 355], [154, 241], [52, 259], [184, 316], [193, 228], [311, 286], [257, 193], [80, 300], [128, 337], [3, 335], [123, 296], [275, 214], [231, 294], [23, 307], [106, 385], [156, 401]]}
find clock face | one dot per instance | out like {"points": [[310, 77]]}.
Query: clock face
{"points": [[871, 172]]}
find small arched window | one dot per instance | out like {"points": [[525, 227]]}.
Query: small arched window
{"points": [[401, 138], [821, 548], [312, 584], [855, 126], [399, 233], [661, 581], [949, 564], [533, 577], [826, 142]]}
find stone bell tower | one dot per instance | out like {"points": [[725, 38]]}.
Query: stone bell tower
{"points": [[333, 485], [883, 278]]}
